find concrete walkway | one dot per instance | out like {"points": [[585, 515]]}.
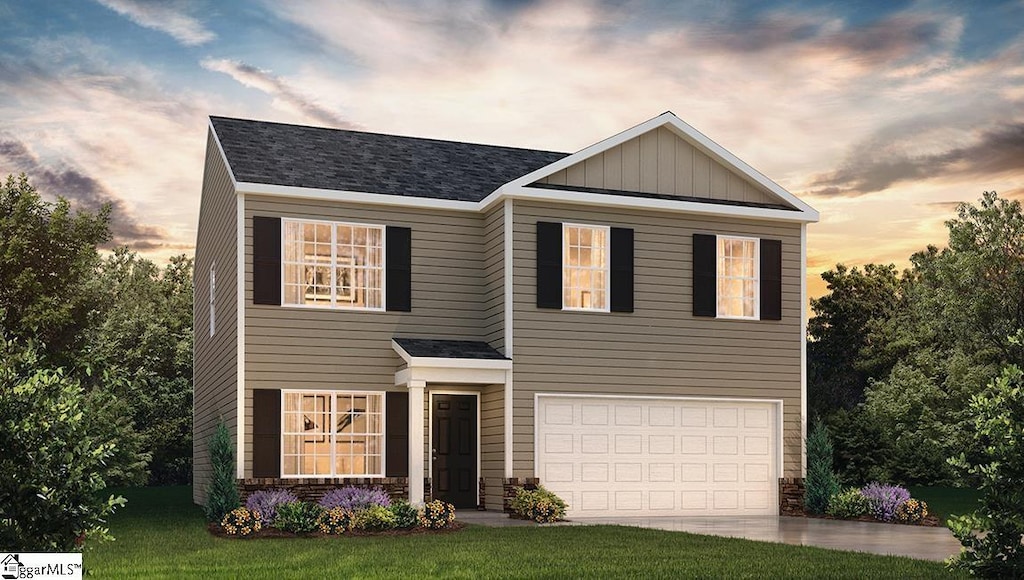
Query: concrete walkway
{"points": [[923, 543]]}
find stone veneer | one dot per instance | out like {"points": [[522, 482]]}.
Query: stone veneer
{"points": [[509, 486], [312, 489], [791, 496]]}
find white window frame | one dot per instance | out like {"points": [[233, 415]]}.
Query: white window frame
{"points": [[607, 267], [213, 301], [333, 305], [334, 422], [757, 277]]}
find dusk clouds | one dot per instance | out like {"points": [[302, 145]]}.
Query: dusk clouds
{"points": [[882, 115]]}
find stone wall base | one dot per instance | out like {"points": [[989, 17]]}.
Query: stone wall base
{"points": [[791, 496], [313, 489], [509, 486]]}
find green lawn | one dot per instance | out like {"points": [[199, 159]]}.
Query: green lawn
{"points": [[160, 534], [944, 502]]}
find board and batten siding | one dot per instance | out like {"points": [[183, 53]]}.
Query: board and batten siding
{"points": [[660, 349], [321, 348], [659, 161], [214, 366]]}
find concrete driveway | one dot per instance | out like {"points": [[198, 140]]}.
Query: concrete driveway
{"points": [[923, 543]]}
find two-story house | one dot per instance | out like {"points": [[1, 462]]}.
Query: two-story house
{"points": [[624, 323]]}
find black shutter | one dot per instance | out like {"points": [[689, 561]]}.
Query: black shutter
{"points": [[549, 265], [396, 434], [705, 279], [622, 270], [771, 280], [266, 260], [399, 269], [266, 433]]}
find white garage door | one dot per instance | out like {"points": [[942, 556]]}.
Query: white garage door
{"points": [[658, 457]]}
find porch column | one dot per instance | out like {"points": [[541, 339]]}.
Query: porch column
{"points": [[416, 443]]}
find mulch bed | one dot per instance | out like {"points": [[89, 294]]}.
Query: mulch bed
{"points": [[928, 521], [216, 530]]}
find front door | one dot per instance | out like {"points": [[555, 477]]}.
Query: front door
{"points": [[453, 433]]}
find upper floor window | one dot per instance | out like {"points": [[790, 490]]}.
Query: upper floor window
{"points": [[213, 292], [333, 434], [737, 277], [334, 265], [585, 267]]}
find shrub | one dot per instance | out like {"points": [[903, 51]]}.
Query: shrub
{"points": [[298, 516], [375, 517], [991, 536], [820, 483], [539, 505], [265, 501], [911, 511], [355, 498], [848, 504], [406, 514], [437, 515], [335, 521], [884, 499], [242, 522], [221, 492]]}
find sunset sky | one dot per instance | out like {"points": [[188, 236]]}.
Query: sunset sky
{"points": [[882, 115]]}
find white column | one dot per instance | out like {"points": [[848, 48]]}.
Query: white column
{"points": [[416, 389]]}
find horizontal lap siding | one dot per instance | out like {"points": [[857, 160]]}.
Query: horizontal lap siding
{"points": [[660, 349], [494, 276], [215, 371], [313, 348]]}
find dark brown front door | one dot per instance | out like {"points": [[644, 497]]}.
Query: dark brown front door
{"points": [[453, 431]]}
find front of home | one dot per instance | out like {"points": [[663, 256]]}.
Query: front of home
{"points": [[623, 324]]}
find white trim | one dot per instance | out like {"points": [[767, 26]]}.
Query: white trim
{"points": [[607, 267], [239, 331], [778, 403], [334, 413], [803, 349], [430, 436], [212, 313], [451, 376], [757, 277], [509, 232], [416, 441], [356, 197], [508, 423]]}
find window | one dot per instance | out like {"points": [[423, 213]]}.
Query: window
{"points": [[333, 434], [737, 277], [333, 265], [213, 291], [585, 267]]}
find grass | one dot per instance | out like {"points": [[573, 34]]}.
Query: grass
{"points": [[944, 502], [161, 534]]}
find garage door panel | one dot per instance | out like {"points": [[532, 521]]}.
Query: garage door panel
{"points": [[658, 456]]}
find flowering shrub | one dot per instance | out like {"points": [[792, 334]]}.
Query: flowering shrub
{"points": [[539, 505], [242, 522], [885, 499], [335, 521], [911, 511], [406, 514], [355, 498], [437, 515], [298, 516], [848, 504], [266, 501], [375, 517]]}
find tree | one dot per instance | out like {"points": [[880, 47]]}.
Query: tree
{"points": [[52, 465], [992, 536], [221, 493], [821, 483]]}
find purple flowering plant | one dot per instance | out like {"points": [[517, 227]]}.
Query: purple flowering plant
{"points": [[885, 499], [265, 501], [355, 498]]}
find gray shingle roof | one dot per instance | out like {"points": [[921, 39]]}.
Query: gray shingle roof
{"points": [[430, 347], [335, 159]]}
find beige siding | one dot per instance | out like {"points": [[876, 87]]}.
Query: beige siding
{"points": [[215, 372], [494, 277], [659, 161], [660, 349], [313, 348]]}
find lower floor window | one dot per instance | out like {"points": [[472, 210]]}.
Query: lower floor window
{"points": [[333, 433]]}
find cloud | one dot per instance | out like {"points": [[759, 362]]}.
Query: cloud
{"points": [[995, 152], [83, 191], [164, 16], [283, 93]]}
